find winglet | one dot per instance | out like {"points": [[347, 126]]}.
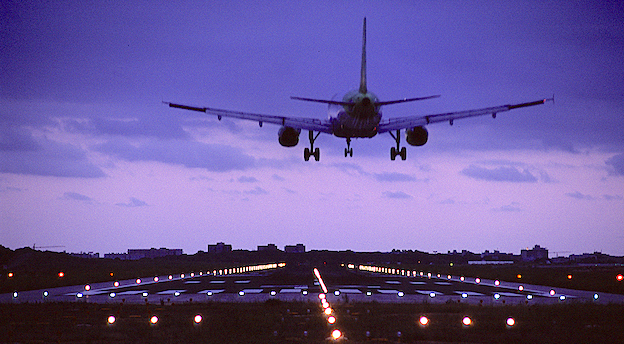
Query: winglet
{"points": [[363, 88]]}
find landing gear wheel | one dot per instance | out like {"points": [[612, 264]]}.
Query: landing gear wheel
{"points": [[348, 152], [393, 153], [398, 150], [306, 154], [317, 154], [403, 153]]}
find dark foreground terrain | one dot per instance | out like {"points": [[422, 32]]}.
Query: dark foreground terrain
{"points": [[303, 322]]}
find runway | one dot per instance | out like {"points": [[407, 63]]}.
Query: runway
{"points": [[345, 284]]}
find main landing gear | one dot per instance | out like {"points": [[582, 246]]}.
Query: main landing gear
{"points": [[348, 150], [394, 151], [312, 151]]}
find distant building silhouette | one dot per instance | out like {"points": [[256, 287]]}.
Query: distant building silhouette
{"points": [[269, 247], [135, 254], [535, 254], [219, 248], [299, 248], [85, 255]]}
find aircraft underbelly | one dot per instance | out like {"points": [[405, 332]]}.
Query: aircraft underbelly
{"points": [[347, 126]]}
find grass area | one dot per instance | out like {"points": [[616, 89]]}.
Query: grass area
{"points": [[302, 322]]}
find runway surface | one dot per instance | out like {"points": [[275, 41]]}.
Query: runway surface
{"points": [[345, 284]]}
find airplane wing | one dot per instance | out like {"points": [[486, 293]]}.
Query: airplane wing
{"points": [[409, 122], [294, 122]]}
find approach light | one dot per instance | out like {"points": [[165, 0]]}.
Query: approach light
{"points": [[331, 319], [336, 334], [87, 287], [79, 295], [209, 293], [10, 275], [145, 294], [181, 275], [14, 294], [241, 293], [497, 296], [111, 320], [321, 296], [464, 295], [153, 320], [521, 288], [369, 293], [562, 298], [170, 277], [138, 281], [497, 283], [337, 292], [424, 321], [466, 321], [511, 322], [116, 284], [529, 297], [273, 292], [328, 311], [462, 278], [449, 277], [45, 293], [619, 278], [596, 296], [192, 274], [304, 292], [155, 279], [477, 280], [197, 319], [552, 292], [176, 294], [112, 294], [325, 304], [432, 294], [400, 294]]}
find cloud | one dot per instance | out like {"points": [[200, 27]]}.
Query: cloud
{"points": [[77, 197], [513, 207], [244, 179], [278, 178], [396, 195], [612, 197], [256, 191], [162, 127], [499, 174], [579, 195], [616, 165], [393, 177], [134, 202], [44, 157], [213, 157]]}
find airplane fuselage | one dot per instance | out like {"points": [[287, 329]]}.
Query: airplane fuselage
{"points": [[360, 117]]}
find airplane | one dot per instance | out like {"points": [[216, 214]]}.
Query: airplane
{"points": [[359, 116]]}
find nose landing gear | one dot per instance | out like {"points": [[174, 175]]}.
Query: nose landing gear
{"points": [[348, 151]]}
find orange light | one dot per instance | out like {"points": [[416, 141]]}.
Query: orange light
{"points": [[521, 288], [511, 322], [569, 276], [10, 275], [138, 281], [619, 277], [467, 321], [153, 320], [336, 334], [87, 287], [519, 276], [61, 274], [111, 319], [331, 319], [116, 284], [197, 319], [424, 321], [328, 311], [111, 274], [552, 292]]}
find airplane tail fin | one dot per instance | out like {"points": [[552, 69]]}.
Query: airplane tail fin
{"points": [[363, 88]]}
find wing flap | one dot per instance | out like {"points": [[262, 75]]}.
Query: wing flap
{"points": [[295, 122], [415, 121]]}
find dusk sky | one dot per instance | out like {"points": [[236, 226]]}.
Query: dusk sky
{"points": [[92, 160]]}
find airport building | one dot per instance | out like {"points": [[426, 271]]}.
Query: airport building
{"points": [[219, 248], [135, 254], [269, 247], [299, 248], [535, 254]]}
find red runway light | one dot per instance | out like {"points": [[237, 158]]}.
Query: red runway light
{"points": [[619, 277], [61, 274]]}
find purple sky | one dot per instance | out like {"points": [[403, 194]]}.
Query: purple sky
{"points": [[91, 159]]}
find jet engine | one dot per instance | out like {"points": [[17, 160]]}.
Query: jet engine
{"points": [[288, 136], [417, 136]]}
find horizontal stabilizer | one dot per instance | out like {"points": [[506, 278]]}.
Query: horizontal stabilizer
{"points": [[405, 100]]}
